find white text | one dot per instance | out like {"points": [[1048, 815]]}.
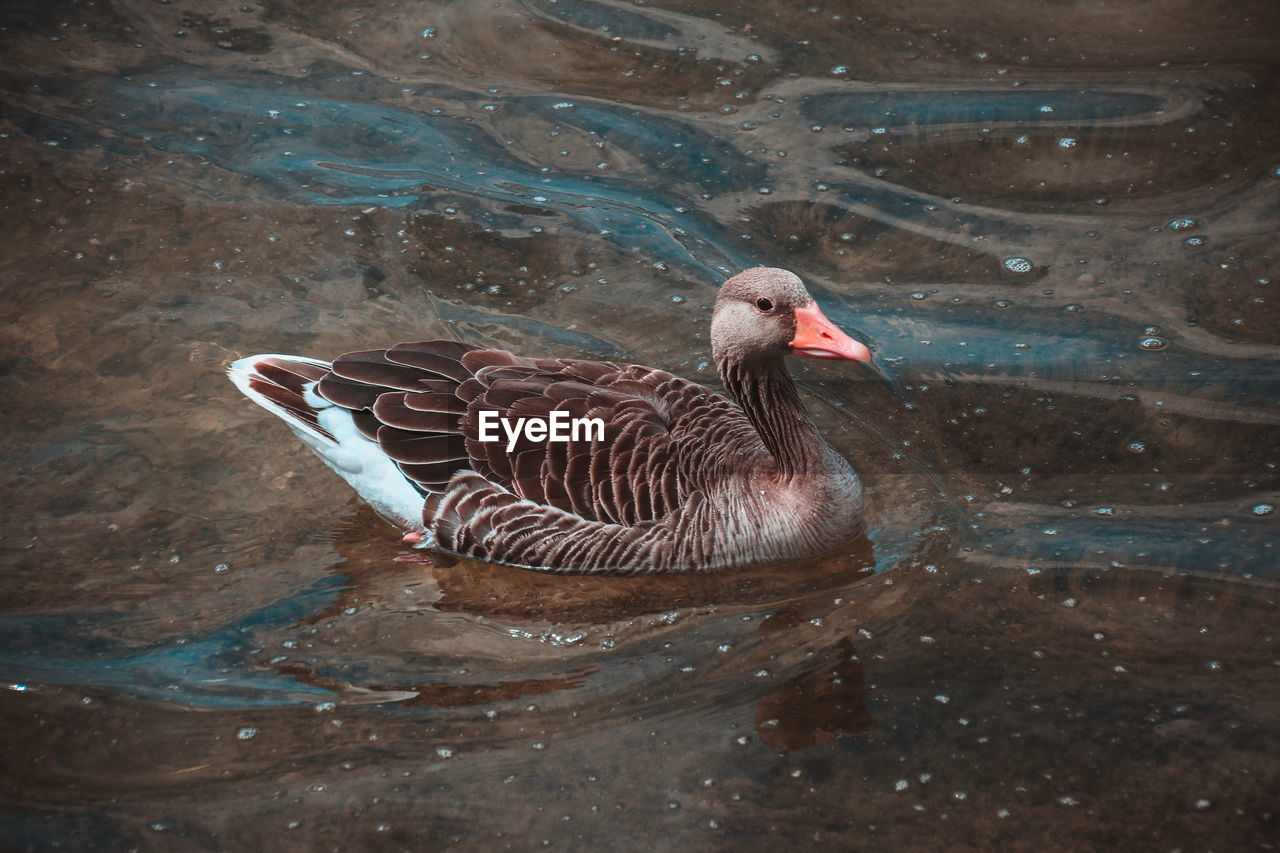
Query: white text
{"points": [[558, 426]]}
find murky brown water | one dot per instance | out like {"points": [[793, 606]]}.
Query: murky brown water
{"points": [[1056, 225]]}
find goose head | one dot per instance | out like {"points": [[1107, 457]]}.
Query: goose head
{"points": [[765, 313]]}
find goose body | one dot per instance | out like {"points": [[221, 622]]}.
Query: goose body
{"points": [[664, 474]]}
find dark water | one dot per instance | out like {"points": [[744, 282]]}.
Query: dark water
{"points": [[1054, 223]]}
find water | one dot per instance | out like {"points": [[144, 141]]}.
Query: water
{"points": [[1057, 232]]}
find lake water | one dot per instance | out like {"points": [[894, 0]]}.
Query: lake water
{"points": [[1055, 225]]}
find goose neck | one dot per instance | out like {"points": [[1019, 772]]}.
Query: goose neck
{"points": [[768, 396]]}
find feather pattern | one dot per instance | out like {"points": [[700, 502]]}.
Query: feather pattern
{"points": [[678, 478]]}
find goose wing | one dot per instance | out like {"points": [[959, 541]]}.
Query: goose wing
{"points": [[436, 408]]}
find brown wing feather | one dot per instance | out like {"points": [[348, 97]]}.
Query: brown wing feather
{"points": [[371, 367], [392, 410], [283, 382], [443, 358]]}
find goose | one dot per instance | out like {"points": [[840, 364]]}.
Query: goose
{"points": [[664, 474]]}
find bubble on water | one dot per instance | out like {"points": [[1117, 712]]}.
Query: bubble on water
{"points": [[1017, 265], [1137, 446], [1067, 142], [1194, 241], [1153, 343], [901, 785], [1183, 222], [1202, 804], [840, 70], [444, 752], [1263, 509], [246, 733]]}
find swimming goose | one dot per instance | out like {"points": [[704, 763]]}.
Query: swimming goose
{"points": [[571, 465]]}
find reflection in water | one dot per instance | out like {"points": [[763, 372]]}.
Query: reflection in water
{"points": [[1057, 229], [811, 709]]}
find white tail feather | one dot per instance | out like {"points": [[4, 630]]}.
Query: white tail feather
{"points": [[353, 457]]}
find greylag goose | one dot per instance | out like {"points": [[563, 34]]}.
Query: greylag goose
{"points": [[570, 465]]}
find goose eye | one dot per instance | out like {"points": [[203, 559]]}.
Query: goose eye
{"points": [[764, 304]]}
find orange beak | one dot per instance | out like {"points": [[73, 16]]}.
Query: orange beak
{"points": [[818, 337]]}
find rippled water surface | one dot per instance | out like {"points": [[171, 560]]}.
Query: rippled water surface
{"points": [[1055, 224]]}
